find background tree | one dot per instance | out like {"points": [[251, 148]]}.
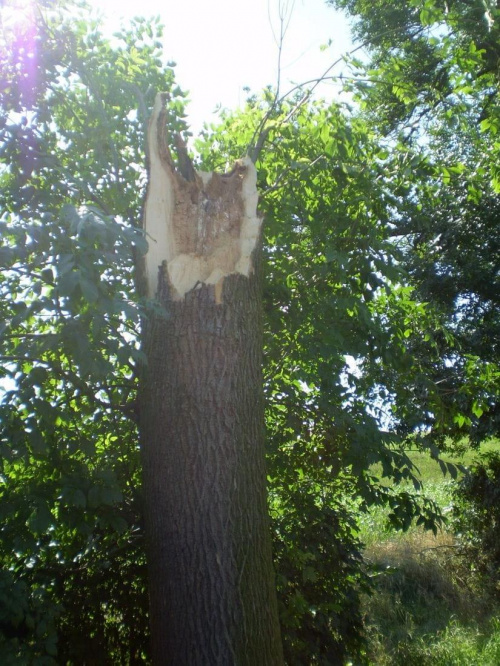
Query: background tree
{"points": [[430, 89], [72, 177]]}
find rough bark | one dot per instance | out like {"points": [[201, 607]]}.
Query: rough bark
{"points": [[212, 589]]}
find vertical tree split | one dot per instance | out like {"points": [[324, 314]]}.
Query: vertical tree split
{"points": [[213, 597]]}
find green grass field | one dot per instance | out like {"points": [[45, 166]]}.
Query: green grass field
{"points": [[429, 606]]}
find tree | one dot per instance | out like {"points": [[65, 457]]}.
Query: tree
{"points": [[430, 88], [73, 578], [78, 334], [213, 597]]}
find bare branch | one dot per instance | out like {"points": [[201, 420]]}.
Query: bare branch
{"points": [[257, 141]]}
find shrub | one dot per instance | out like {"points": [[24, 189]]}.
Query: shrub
{"points": [[477, 519]]}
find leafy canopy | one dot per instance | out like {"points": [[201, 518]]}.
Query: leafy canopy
{"points": [[348, 341], [429, 88]]}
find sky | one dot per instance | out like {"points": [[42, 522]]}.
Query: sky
{"points": [[223, 46]]}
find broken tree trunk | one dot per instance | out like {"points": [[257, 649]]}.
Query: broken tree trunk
{"points": [[212, 589]]}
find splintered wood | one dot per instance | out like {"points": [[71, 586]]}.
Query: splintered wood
{"points": [[200, 226]]}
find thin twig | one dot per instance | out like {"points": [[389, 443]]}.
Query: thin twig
{"points": [[277, 101]]}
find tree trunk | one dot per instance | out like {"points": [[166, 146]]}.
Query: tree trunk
{"points": [[212, 589]]}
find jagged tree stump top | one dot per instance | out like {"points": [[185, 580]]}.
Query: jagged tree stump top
{"points": [[201, 226]]}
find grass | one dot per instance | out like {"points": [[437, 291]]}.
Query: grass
{"points": [[429, 607], [430, 470], [459, 645], [375, 528]]}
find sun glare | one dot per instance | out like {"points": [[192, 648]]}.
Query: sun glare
{"points": [[21, 46]]}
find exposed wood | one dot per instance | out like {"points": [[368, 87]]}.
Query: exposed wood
{"points": [[201, 227]]}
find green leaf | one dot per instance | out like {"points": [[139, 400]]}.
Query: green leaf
{"points": [[90, 290], [477, 409], [40, 519], [141, 243], [117, 523], [51, 645], [74, 497], [7, 257], [47, 276]]}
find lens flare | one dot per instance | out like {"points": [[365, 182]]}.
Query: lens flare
{"points": [[19, 51]]}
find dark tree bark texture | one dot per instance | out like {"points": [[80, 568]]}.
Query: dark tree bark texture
{"points": [[212, 590]]}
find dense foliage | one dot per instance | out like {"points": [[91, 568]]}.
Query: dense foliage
{"points": [[354, 355], [429, 87], [476, 518], [73, 581]]}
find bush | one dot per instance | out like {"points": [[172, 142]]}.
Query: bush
{"points": [[319, 579], [476, 522]]}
